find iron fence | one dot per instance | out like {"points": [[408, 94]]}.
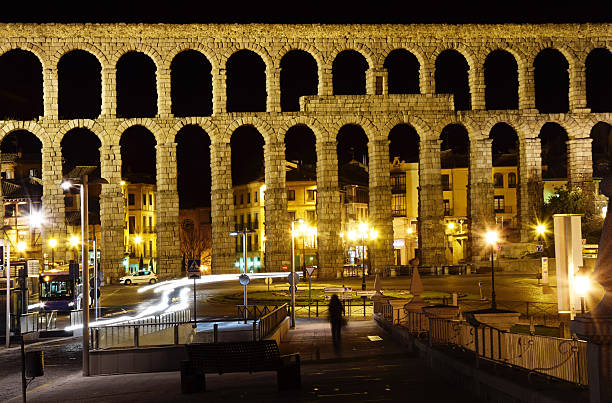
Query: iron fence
{"points": [[254, 312], [37, 321], [270, 321]]}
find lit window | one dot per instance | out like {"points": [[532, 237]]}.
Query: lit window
{"points": [[290, 194]]}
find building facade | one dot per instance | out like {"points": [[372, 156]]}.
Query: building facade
{"points": [[374, 109]]}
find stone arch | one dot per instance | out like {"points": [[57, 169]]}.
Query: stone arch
{"points": [[538, 47], [552, 83], [253, 47], [30, 126], [205, 124], [403, 76], [161, 136], [357, 47], [556, 161], [501, 80], [299, 76], [84, 46], [464, 50], [567, 123], [91, 125], [452, 72], [416, 50], [28, 47], [366, 125], [519, 55], [207, 52], [417, 123], [500, 118], [263, 127], [313, 51], [310, 122], [139, 47]]}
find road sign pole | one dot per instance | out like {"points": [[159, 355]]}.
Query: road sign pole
{"points": [[309, 287], [195, 320], [292, 324], [7, 273]]}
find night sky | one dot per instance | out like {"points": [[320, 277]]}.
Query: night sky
{"points": [[79, 74]]}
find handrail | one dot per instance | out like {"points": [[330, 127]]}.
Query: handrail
{"points": [[270, 321]]}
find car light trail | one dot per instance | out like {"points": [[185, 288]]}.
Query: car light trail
{"points": [[166, 288]]}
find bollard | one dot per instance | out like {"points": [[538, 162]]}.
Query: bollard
{"points": [[216, 333], [135, 336], [317, 308], [176, 334], [254, 330]]}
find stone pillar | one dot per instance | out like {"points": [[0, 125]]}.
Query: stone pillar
{"points": [[529, 197], [167, 207], [50, 94], [577, 87], [331, 258], [164, 98], [431, 209], [53, 202], [326, 83], [480, 192], [580, 176], [112, 214], [273, 102], [277, 225], [109, 92], [427, 80], [526, 93], [379, 207], [222, 209], [477, 87], [219, 86], [377, 81]]}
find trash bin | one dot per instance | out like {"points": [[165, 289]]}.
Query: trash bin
{"points": [[34, 363]]}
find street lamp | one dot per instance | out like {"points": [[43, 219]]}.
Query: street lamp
{"points": [[492, 238], [582, 284], [292, 284], [79, 176], [53, 244], [74, 242], [244, 233]]}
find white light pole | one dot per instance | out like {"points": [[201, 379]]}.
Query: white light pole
{"points": [[293, 284], [244, 233]]}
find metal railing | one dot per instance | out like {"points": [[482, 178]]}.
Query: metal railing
{"points": [[416, 322], [546, 310], [38, 321], [254, 312], [270, 321]]}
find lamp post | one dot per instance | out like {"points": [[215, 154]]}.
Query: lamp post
{"points": [[79, 176], [74, 242], [492, 239], [53, 244], [292, 283], [582, 284], [244, 233]]}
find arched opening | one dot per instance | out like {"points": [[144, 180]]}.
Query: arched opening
{"points": [[452, 78], [246, 82], [81, 147], [301, 184], [403, 72], [21, 85], [298, 77], [80, 86], [138, 170], [599, 80], [353, 182], [191, 81], [551, 82], [505, 156], [554, 151], [404, 157], [349, 73], [501, 80], [22, 192], [248, 182], [602, 149], [194, 189], [136, 86], [455, 162]]}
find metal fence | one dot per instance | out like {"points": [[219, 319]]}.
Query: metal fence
{"points": [[270, 321], [254, 312], [38, 321], [535, 309]]}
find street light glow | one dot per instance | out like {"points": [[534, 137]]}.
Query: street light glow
{"points": [[541, 229], [582, 285], [451, 225], [53, 242], [363, 228], [373, 234], [21, 246], [137, 239], [36, 219], [74, 241], [66, 185], [492, 237]]}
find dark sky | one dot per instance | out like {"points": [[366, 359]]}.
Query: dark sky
{"points": [[79, 96]]}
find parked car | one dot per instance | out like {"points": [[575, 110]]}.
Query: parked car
{"points": [[141, 277]]}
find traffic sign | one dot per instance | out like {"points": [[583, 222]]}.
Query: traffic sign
{"points": [[294, 280], [365, 293], [338, 290], [539, 248], [310, 270], [340, 296], [244, 279], [294, 288], [193, 269], [285, 267]]}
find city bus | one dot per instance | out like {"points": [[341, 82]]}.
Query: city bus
{"points": [[57, 291]]}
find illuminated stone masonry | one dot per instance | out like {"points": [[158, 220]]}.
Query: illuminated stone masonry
{"points": [[377, 113]]}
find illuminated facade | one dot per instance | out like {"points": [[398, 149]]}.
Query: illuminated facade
{"points": [[140, 237]]}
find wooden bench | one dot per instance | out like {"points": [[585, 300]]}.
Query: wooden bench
{"points": [[250, 356]]}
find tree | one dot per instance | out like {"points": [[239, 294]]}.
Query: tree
{"points": [[196, 241]]}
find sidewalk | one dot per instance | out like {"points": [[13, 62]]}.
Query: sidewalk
{"points": [[365, 369]]}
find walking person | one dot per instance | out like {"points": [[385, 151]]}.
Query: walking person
{"points": [[336, 310]]}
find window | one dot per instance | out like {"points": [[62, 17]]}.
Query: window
{"points": [[311, 216], [445, 182], [379, 85], [255, 242], [144, 224], [151, 223], [131, 224], [9, 210], [150, 199], [256, 221], [144, 199], [255, 196], [398, 183], [151, 247], [499, 204], [290, 194], [234, 200], [511, 180], [311, 194], [68, 201], [498, 180], [291, 215], [241, 198], [248, 197], [131, 199], [398, 205], [447, 209]]}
